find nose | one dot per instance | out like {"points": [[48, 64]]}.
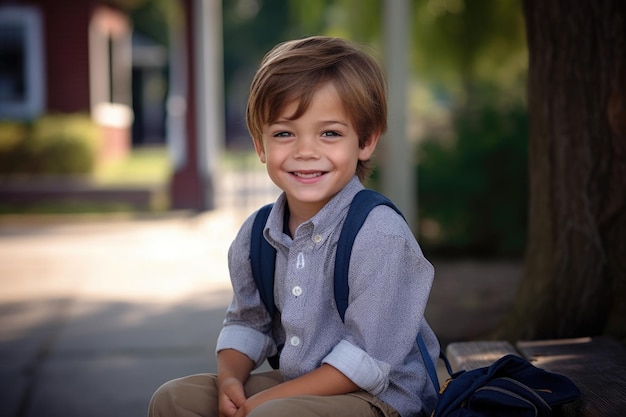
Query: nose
{"points": [[305, 147]]}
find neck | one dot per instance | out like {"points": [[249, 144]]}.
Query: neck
{"points": [[300, 213]]}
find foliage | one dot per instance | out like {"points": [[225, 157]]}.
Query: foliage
{"points": [[251, 28], [148, 166], [358, 20], [472, 182], [458, 43], [53, 144], [11, 135], [473, 187], [153, 18]]}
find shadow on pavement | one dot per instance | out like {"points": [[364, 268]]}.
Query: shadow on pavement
{"points": [[102, 358]]}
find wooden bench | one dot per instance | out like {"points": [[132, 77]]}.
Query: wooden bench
{"points": [[596, 365]]}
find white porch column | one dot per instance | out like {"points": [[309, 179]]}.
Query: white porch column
{"points": [[210, 93], [398, 175]]}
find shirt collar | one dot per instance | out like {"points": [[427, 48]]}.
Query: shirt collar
{"points": [[323, 224]]}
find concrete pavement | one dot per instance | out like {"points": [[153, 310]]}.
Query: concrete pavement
{"points": [[95, 315]]}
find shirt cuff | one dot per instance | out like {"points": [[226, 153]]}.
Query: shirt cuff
{"points": [[250, 342], [366, 372]]}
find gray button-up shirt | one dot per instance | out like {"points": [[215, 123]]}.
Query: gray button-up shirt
{"points": [[389, 281]]}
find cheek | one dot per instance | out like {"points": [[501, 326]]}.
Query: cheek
{"points": [[273, 157]]}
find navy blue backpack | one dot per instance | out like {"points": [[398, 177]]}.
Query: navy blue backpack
{"points": [[507, 387]]}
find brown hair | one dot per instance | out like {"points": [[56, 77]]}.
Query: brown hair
{"points": [[293, 70]]}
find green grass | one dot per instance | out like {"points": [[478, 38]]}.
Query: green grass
{"points": [[143, 166]]}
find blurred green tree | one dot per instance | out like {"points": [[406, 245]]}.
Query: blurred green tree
{"points": [[250, 29], [154, 18], [472, 175], [359, 20], [459, 46], [473, 191]]}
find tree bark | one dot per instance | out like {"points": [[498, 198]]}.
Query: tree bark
{"points": [[574, 281]]}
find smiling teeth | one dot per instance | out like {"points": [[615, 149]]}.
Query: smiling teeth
{"points": [[311, 175]]}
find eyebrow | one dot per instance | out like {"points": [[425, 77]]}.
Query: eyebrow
{"points": [[332, 122], [321, 122]]}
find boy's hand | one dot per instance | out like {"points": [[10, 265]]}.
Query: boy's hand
{"points": [[252, 403], [232, 368], [231, 397], [325, 380]]}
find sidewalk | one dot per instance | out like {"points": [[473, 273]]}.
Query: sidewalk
{"points": [[95, 315]]}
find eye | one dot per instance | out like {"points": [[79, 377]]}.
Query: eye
{"points": [[281, 134], [331, 134]]}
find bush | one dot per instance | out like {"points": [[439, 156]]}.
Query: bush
{"points": [[52, 145], [12, 138], [473, 190]]}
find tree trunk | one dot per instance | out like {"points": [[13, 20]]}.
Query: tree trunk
{"points": [[574, 281]]}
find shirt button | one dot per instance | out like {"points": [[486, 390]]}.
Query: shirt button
{"points": [[295, 341], [297, 291], [317, 238]]}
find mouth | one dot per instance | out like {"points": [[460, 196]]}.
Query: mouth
{"points": [[307, 174]]}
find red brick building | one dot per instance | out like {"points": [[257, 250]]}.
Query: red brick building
{"points": [[68, 56]]}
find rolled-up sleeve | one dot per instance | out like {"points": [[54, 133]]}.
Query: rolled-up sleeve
{"points": [[254, 344], [388, 295], [247, 325], [366, 372]]}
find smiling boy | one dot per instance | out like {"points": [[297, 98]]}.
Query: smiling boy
{"points": [[316, 110], [312, 157]]}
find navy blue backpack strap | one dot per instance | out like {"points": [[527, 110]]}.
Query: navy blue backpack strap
{"points": [[263, 259], [263, 263], [364, 201], [431, 368]]}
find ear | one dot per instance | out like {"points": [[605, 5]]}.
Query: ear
{"points": [[365, 153], [260, 149]]}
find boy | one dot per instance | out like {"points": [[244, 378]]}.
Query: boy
{"points": [[316, 110]]}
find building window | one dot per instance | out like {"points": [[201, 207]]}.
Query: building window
{"points": [[21, 63]]}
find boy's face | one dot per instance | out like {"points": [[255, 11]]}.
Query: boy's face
{"points": [[313, 157]]}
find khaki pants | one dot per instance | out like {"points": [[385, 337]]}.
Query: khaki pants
{"points": [[196, 396]]}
